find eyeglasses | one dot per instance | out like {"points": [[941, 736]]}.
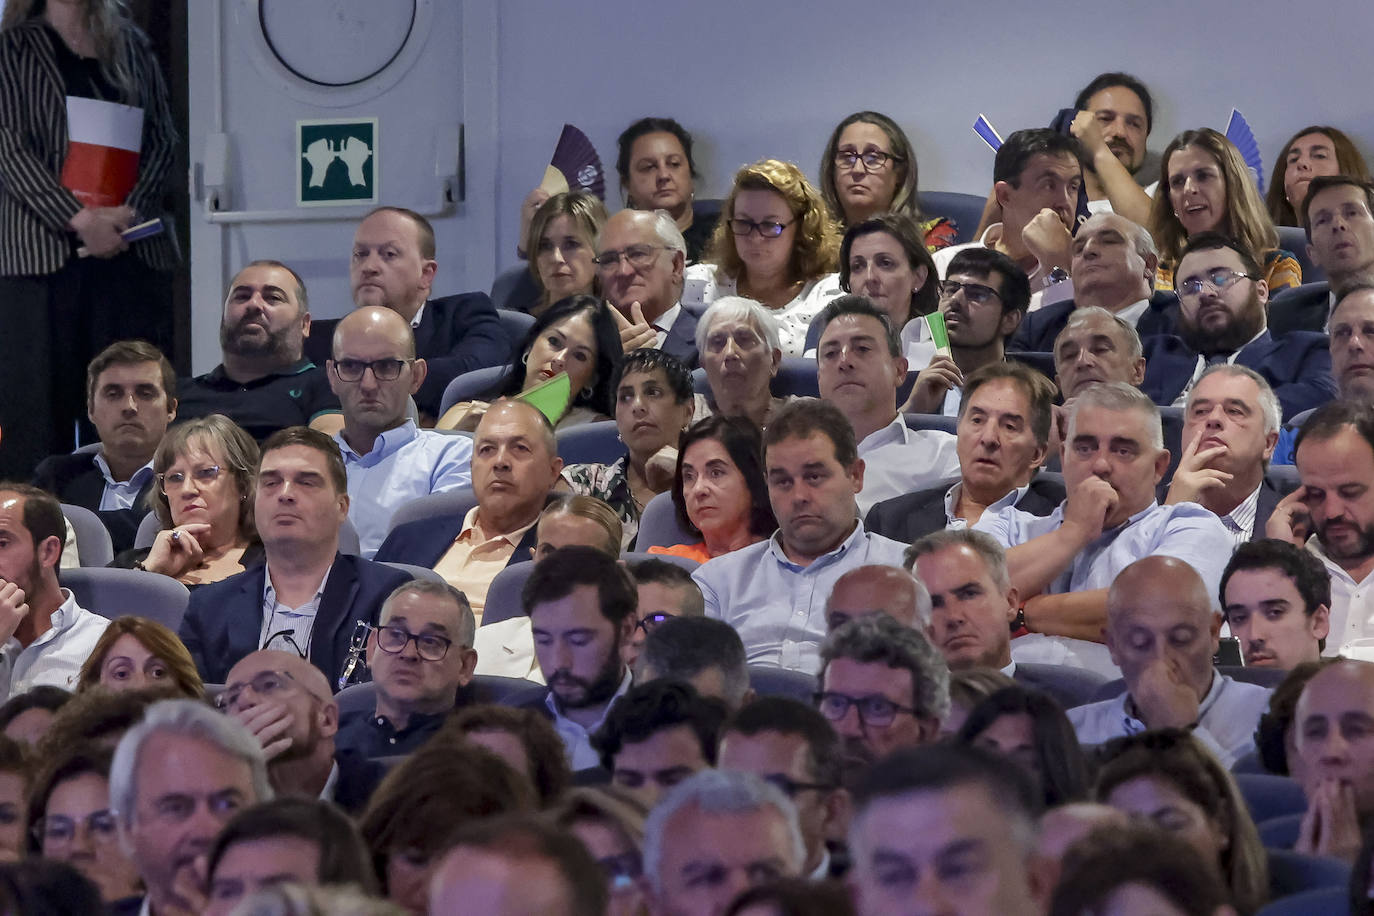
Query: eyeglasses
{"points": [[394, 640], [170, 483], [60, 830], [652, 620], [264, 684], [974, 293], [385, 370], [872, 160], [876, 711], [791, 787], [769, 229], [639, 256], [1219, 279]]}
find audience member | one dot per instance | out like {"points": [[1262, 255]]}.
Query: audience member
{"points": [[307, 597], [1062, 565], [1029, 728], [1170, 778], [1113, 119], [1002, 440], [99, 717], [884, 259], [524, 739], [868, 170], [883, 686], [1352, 320], [1331, 514], [878, 589], [206, 475], [581, 606], [657, 172], [715, 835], [48, 887], [264, 382], [26, 717], [1276, 740], [640, 258], [719, 491], [1096, 347], [561, 242], [420, 657], [657, 735], [860, 368], [177, 776], [793, 897], [299, 840], [1162, 632], [923, 808], [390, 461], [1338, 215], [45, 635], [793, 747], [773, 592], [653, 405], [1312, 152], [1137, 869], [577, 336], [776, 244], [514, 466], [665, 590], [977, 332], [1061, 828], [135, 653], [610, 824], [131, 397], [1336, 766], [1204, 186], [705, 653], [16, 772], [740, 354], [1277, 601], [1222, 319]]}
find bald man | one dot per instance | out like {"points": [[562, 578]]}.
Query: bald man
{"points": [[1334, 737], [1162, 632], [390, 461], [877, 589], [286, 703]]}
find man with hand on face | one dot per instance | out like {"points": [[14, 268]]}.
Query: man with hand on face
{"points": [[773, 592], [1002, 440], [1115, 115], [640, 258], [1277, 600], [1338, 214], [1062, 565], [657, 735], [390, 461], [1162, 632], [1334, 740], [264, 382], [1222, 319]]}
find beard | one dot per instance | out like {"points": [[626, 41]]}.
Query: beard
{"points": [[234, 339], [573, 692], [1233, 335], [1363, 545]]}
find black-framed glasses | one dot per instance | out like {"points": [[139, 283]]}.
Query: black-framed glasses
{"points": [[639, 256], [175, 480], [872, 159], [385, 370], [60, 830], [974, 293], [431, 648], [791, 787], [767, 228], [874, 710], [264, 684], [652, 620], [1219, 280]]}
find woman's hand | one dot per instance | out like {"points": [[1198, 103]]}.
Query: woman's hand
{"points": [[177, 551]]}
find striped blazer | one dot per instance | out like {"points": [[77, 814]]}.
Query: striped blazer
{"points": [[34, 207]]}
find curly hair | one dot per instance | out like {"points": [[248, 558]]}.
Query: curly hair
{"points": [[816, 250]]}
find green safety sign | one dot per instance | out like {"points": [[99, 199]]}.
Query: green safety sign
{"points": [[336, 162]]}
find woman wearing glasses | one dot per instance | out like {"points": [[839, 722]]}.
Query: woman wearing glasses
{"points": [[869, 167], [204, 499], [776, 244], [1204, 186]]}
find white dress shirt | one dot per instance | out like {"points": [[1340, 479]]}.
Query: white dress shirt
{"points": [[56, 656], [577, 741], [121, 494], [1240, 521], [298, 622], [898, 460], [1352, 609]]}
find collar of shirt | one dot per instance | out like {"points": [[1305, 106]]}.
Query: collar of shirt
{"points": [[62, 619], [1314, 546], [269, 594], [1011, 498], [1241, 519], [562, 721], [1135, 725], [1201, 367], [1010, 670], [419, 313], [1331, 307], [216, 377], [896, 431], [473, 532], [327, 793], [1133, 312], [387, 444], [136, 480], [848, 544], [416, 720]]}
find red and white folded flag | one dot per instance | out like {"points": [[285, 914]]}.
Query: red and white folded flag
{"points": [[104, 141]]}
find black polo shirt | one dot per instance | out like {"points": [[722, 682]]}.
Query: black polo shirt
{"points": [[292, 397], [371, 735]]}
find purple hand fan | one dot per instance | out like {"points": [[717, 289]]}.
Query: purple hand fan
{"points": [[575, 165]]}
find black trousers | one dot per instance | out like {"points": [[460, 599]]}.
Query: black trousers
{"points": [[50, 328]]}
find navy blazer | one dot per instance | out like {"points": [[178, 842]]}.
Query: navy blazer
{"points": [[424, 541], [1297, 366], [682, 339], [74, 478], [1039, 328], [1303, 308], [223, 621], [912, 516], [456, 334], [1269, 497]]}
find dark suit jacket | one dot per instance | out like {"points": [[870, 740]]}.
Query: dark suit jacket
{"points": [[1070, 687], [223, 621], [912, 516], [682, 339], [1297, 366], [424, 542], [456, 334], [1264, 507], [75, 479], [1303, 308], [1039, 328]]}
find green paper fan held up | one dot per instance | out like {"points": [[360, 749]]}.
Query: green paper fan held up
{"points": [[550, 398]]}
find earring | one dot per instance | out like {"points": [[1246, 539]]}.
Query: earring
{"points": [[525, 359], [587, 392]]}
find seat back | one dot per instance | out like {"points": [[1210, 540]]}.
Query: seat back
{"points": [[1293, 239], [348, 538], [768, 681], [1171, 421], [450, 502], [659, 525], [1280, 832], [1283, 477], [931, 421], [503, 594], [147, 530], [514, 289], [1037, 360], [964, 210], [796, 377], [1295, 873], [470, 386], [493, 688], [115, 593], [517, 324], [416, 572], [1269, 796], [93, 545], [1328, 901], [685, 562], [590, 443], [356, 700]]}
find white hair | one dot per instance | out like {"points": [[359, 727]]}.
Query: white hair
{"points": [[665, 227], [1268, 401], [738, 308], [1118, 396], [1091, 313], [467, 624]]}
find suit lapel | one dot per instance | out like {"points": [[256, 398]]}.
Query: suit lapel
{"points": [[522, 550], [425, 332], [335, 610], [243, 624]]}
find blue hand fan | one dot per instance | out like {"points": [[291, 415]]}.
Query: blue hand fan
{"points": [[575, 166], [983, 128], [1238, 132]]}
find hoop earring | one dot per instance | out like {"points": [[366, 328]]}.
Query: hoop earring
{"points": [[525, 358], [587, 393]]}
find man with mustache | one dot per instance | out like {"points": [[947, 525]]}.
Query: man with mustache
{"points": [[1222, 319], [1332, 514], [581, 606], [264, 382]]}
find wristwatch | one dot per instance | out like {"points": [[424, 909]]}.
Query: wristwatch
{"points": [[1056, 275]]}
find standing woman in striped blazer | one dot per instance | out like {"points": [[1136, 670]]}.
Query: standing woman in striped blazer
{"points": [[58, 309]]}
